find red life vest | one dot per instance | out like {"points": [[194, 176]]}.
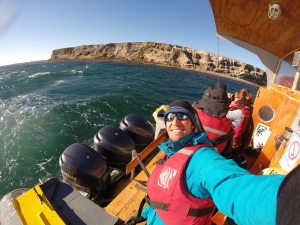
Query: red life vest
{"points": [[215, 127], [168, 195], [240, 129], [286, 80]]}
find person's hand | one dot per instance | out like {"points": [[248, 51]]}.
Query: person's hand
{"points": [[134, 220], [195, 103], [229, 95]]}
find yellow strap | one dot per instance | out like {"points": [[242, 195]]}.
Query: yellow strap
{"points": [[34, 208], [165, 108]]}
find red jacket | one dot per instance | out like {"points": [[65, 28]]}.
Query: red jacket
{"points": [[240, 129], [168, 195], [246, 113], [215, 127]]}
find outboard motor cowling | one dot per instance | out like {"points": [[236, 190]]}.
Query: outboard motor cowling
{"points": [[84, 169], [114, 145], [140, 130]]}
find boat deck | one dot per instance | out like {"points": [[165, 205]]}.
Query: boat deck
{"points": [[127, 203]]}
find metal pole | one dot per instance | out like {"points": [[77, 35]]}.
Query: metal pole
{"points": [[140, 162]]}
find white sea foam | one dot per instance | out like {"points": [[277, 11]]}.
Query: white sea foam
{"points": [[38, 74], [76, 71], [41, 165], [59, 82]]}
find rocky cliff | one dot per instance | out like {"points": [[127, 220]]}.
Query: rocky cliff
{"points": [[165, 54]]}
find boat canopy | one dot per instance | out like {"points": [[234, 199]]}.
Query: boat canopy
{"points": [[269, 30]]}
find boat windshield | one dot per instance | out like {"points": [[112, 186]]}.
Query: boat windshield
{"points": [[288, 72]]}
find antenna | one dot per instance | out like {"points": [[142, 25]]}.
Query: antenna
{"points": [[218, 58]]}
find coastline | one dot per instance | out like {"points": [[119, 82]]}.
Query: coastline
{"points": [[207, 72], [166, 55], [229, 77]]}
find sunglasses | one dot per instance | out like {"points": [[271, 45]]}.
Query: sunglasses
{"points": [[181, 116]]}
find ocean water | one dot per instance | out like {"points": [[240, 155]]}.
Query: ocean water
{"points": [[47, 106]]}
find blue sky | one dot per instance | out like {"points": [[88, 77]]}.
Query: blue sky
{"points": [[31, 29]]}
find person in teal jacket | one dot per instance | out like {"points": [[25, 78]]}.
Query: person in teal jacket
{"points": [[247, 199]]}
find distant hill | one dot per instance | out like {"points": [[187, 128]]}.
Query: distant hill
{"points": [[165, 54]]}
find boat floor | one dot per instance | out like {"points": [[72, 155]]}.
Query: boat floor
{"points": [[127, 203]]}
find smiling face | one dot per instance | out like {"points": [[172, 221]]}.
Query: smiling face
{"points": [[177, 129]]}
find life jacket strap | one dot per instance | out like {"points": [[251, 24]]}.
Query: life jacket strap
{"points": [[141, 206], [192, 212], [157, 205], [223, 138], [160, 161]]}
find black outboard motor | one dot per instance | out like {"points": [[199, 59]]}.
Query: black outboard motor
{"points": [[140, 130], [84, 169], [114, 145]]}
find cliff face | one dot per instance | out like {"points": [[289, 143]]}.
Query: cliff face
{"points": [[164, 54]]}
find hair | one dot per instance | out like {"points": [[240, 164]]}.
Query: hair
{"points": [[244, 94]]}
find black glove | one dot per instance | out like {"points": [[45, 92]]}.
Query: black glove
{"points": [[134, 220]]}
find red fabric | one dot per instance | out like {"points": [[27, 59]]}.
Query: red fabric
{"points": [[237, 105], [166, 184], [214, 126], [250, 160], [246, 113], [286, 80]]}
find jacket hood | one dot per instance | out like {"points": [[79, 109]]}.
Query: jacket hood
{"points": [[214, 102]]}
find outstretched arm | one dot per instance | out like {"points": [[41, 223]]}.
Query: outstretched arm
{"points": [[246, 198]]}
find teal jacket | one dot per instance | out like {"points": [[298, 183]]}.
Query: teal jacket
{"points": [[246, 198]]}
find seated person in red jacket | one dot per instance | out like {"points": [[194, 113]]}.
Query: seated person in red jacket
{"points": [[212, 110], [239, 113]]}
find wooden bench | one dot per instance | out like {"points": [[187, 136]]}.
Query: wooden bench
{"points": [[127, 203]]}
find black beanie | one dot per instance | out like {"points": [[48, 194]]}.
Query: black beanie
{"points": [[184, 107]]}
